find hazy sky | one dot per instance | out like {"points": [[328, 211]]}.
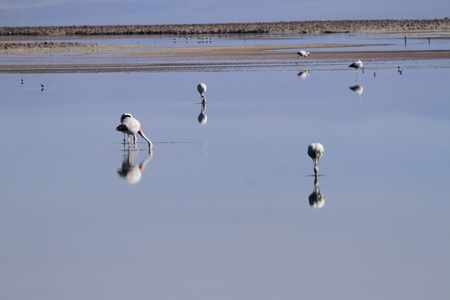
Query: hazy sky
{"points": [[113, 12]]}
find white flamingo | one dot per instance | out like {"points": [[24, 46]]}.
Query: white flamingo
{"points": [[356, 64], [126, 115], [201, 88], [303, 53], [315, 151], [131, 126]]}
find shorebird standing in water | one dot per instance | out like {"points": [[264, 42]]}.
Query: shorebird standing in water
{"points": [[356, 65], [302, 53], [122, 118], [131, 126], [201, 88], [315, 151]]}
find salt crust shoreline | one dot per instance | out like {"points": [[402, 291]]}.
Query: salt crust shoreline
{"points": [[21, 52]]}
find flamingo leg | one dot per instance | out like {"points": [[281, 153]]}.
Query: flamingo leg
{"points": [[135, 141], [316, 167]]}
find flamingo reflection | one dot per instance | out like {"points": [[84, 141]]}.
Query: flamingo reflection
{"points": [[316, 199], [357, 89], [303, 74], [131, 173], [202, 117]]}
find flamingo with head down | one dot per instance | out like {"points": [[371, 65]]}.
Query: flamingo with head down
{"points": [[131, 126]]}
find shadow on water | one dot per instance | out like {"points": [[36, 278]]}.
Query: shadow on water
{"points": [[129, 171]]}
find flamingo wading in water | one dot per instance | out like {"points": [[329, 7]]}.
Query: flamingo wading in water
{"points": [[126, 115], [131, 126], [315, 151], [303, 53], [201, 88], [356, 65]]}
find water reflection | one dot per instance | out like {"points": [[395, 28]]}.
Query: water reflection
{"points": [[303, 74], [131, 173], [202, 117], [316, 199], [357, 89]]}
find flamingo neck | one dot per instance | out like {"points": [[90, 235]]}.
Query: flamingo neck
{"points": [[141, 133]]}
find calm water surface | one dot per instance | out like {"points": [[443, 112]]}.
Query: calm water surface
{"points": [[221, 210]]}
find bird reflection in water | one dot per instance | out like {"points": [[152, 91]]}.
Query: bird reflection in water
{"points": [[303, 74], [202, 117], [357, 89], [131, 173], [316, 199]]}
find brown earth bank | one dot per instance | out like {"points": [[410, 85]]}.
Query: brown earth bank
{"points": [[38, 47], [302, 27]]}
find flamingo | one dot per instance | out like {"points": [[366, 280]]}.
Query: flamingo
{"points": [[356, 64], [126, 115], [131, 126], [315, 151], [201, 88], [303, 53]]}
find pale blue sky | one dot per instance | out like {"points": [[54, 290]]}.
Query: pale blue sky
{"points": [[114, 12]]}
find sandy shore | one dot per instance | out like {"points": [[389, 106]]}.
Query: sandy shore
{"points": [[29, 55]]}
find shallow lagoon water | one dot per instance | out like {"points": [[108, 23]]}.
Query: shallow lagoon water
{"points": [[221, 210], [371, 42]]}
